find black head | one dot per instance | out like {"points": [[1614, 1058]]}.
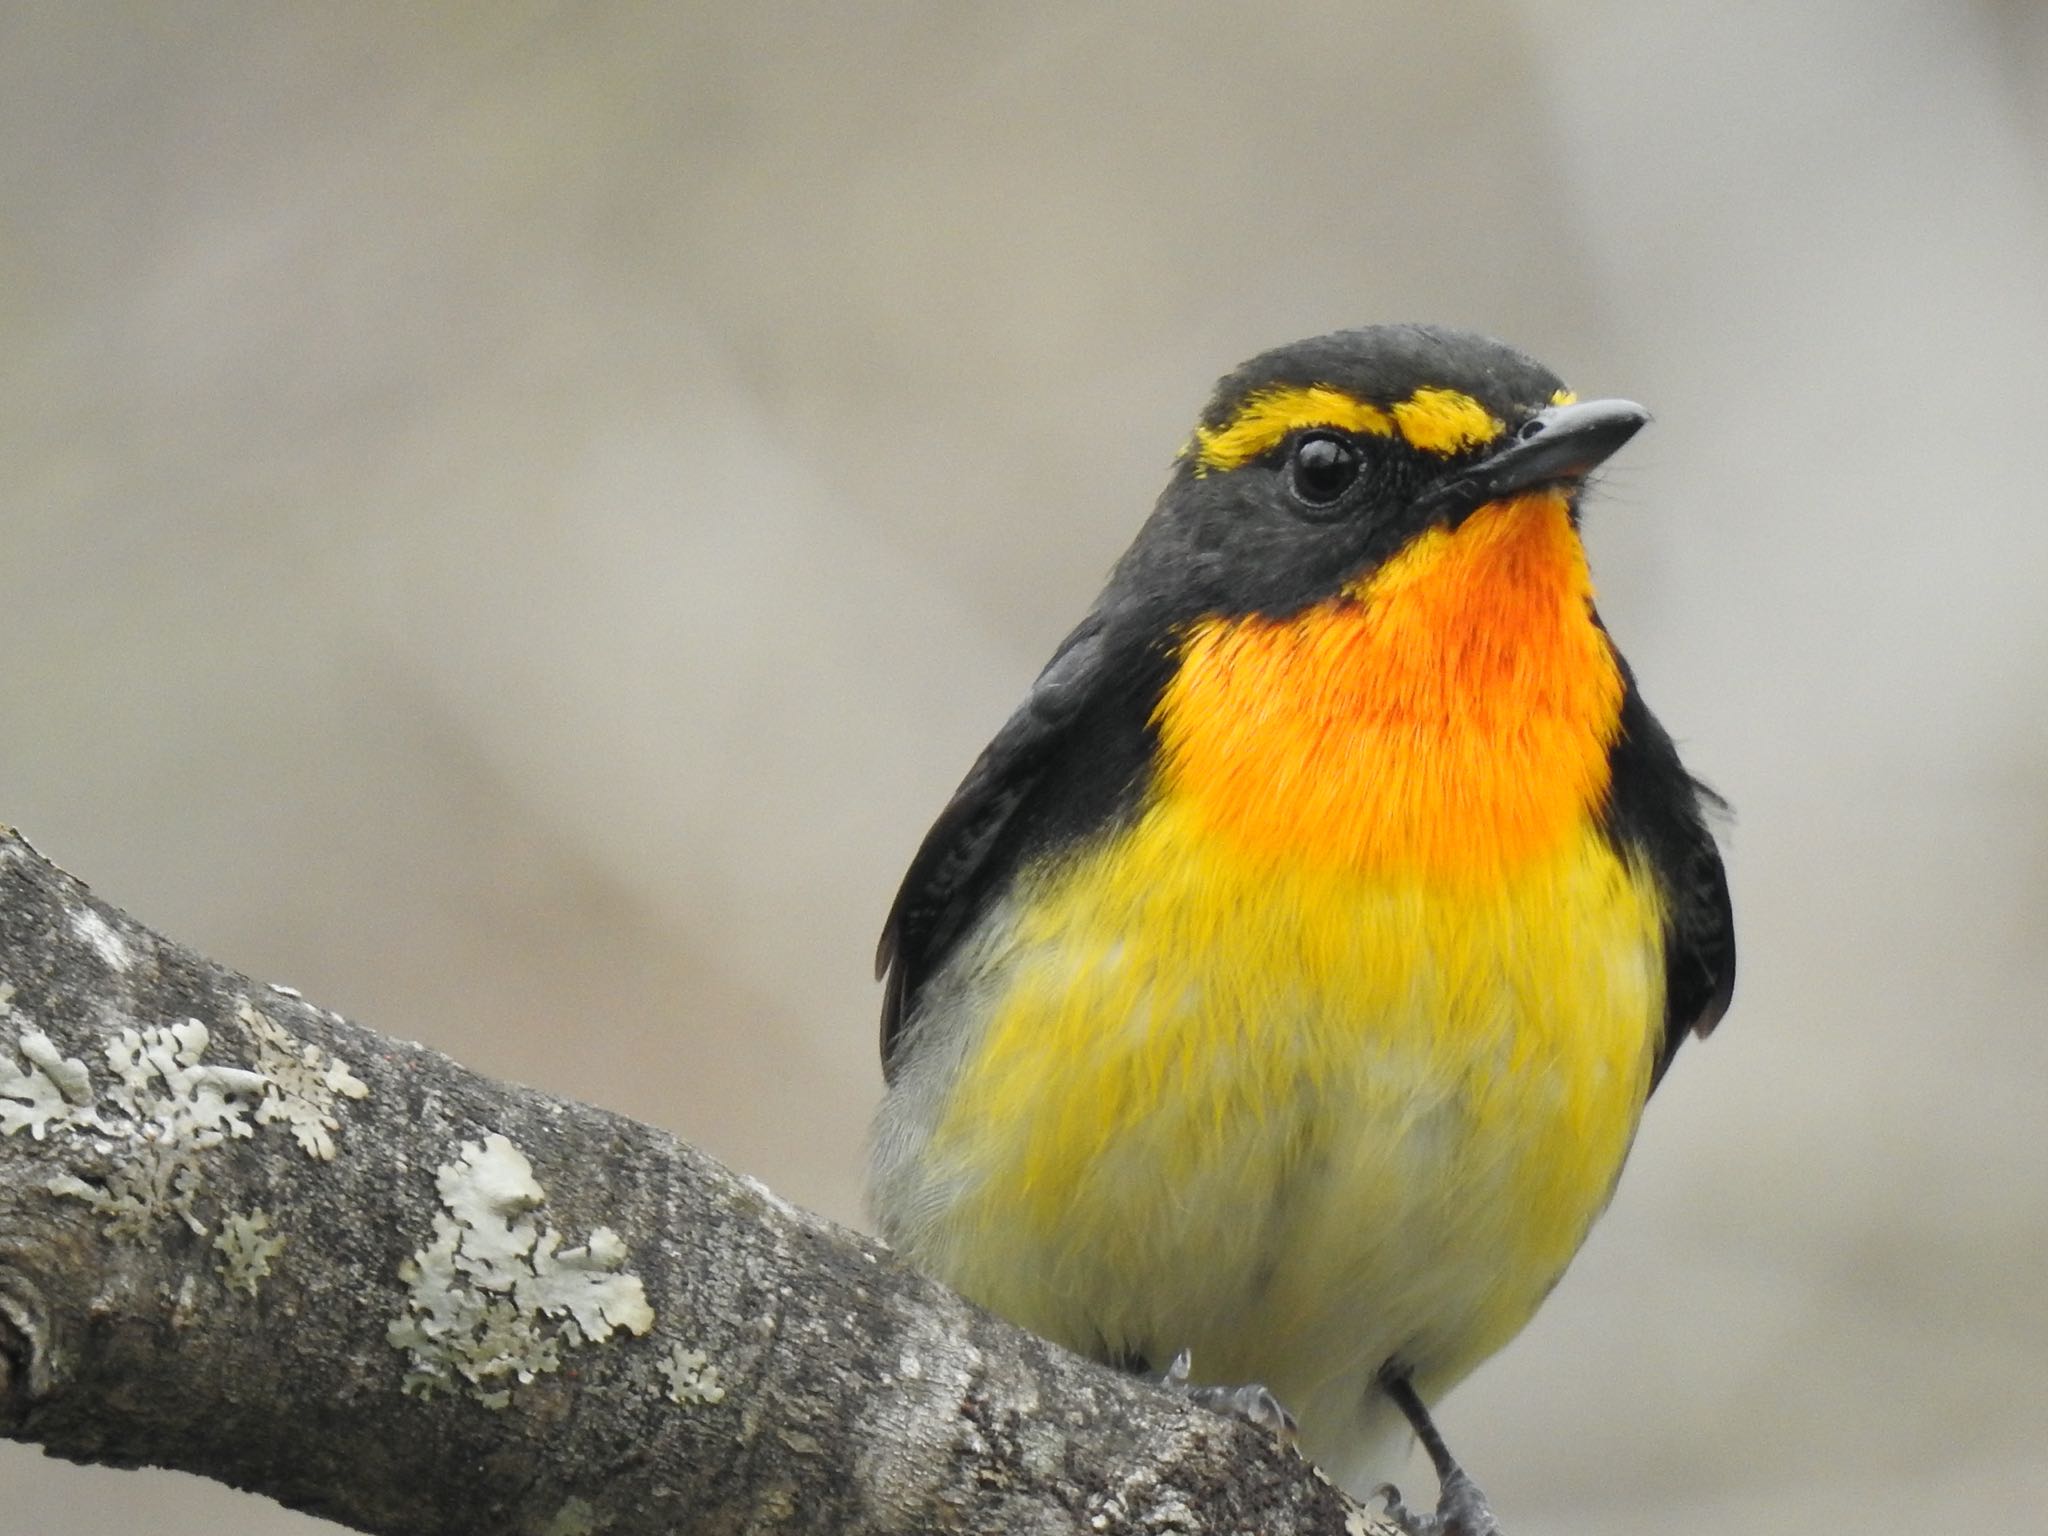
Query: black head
{"points": [[1316, 461]]}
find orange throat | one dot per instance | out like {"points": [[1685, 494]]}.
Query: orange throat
{"points": [[1447, 716]]}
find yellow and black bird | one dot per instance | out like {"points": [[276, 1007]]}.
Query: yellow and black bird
{"points": [[1285, 982]]}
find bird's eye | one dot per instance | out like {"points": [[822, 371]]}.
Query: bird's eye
{"points": [[1322, 467]]}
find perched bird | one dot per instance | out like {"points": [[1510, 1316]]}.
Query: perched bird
{"points": [[1284, 984]]}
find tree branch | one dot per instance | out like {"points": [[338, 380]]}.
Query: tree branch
{"points": [[243, 1237]]}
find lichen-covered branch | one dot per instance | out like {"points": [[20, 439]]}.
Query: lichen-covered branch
{"points": [[243, 1237]]}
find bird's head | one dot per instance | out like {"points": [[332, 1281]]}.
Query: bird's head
{"points": [[1317, 462]]}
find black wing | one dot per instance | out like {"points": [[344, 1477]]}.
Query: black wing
{"points": [[1658, 811], [1067, 763]]}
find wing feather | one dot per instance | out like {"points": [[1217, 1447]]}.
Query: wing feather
{"points": [[1072, 756], [1659, 812]]}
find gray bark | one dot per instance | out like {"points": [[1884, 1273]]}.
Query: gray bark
{"points": [[243, 1237]]}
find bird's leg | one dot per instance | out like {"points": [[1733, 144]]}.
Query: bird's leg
{"points": [[1461, 1509], [1253, 1403]]}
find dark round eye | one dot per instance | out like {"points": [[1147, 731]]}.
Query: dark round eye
{"points": [[1322, 467]]}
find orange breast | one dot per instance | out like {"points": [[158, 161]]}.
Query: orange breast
{"points": [[1448, 717]]}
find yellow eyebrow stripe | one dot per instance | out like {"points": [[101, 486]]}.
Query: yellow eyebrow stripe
{"points": [[1440, 421], [1268, 416], [1444, 421]]}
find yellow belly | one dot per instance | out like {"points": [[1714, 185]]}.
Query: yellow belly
{"points": [[1297, 1120]]}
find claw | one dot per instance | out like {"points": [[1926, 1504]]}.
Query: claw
{"points": [[1398, 1512], [1176, 1373], [1253, 1403], [1461, 1510]]}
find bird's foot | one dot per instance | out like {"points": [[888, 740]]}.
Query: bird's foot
{"points": [[1253, 1403], [1461, 1510]]}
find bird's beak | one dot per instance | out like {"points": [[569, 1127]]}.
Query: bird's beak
{"points": [[1558, 446]]}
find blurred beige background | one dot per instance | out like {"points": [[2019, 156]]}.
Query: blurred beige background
{"points": [[517, 515]]}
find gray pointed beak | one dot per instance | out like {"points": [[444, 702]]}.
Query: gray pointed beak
{"points": [[1558, 446]]}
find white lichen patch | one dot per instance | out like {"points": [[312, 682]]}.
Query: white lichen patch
{"points": [[140, 1140], [166, 1107], [692, 1379], [301, 1084], [46, 1090], [30, 1100], [495, 1298], [68, 1073], [245, 1249], [162, 1080], [95, 930]]}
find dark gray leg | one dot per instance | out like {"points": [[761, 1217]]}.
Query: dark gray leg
{"points": [[1461, 1509]]}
